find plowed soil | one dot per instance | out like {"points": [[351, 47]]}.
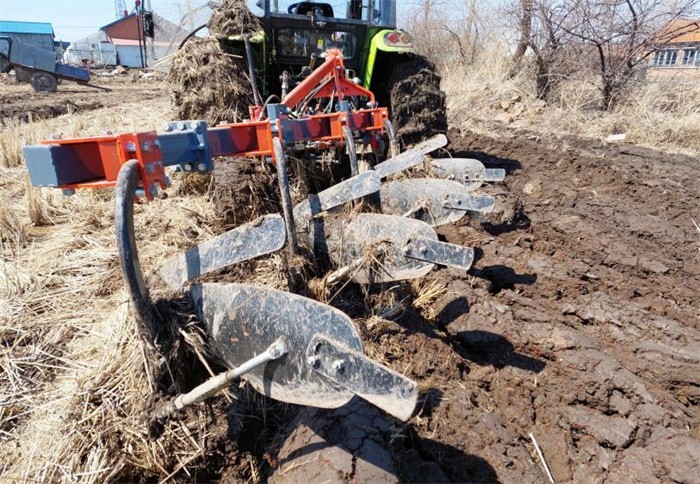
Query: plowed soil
{"points": [[577, 328], [21, 102]]}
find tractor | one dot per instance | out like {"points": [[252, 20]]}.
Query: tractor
{"points": [[292, 39]]}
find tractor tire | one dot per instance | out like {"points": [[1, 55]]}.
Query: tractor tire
{"points": [[43, 82], [417, 103], [4, 65]]}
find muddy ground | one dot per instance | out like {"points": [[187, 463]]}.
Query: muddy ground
{"points": [[577, 328], [21, 102]]}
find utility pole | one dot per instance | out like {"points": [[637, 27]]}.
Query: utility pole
{"points": [[139, 29], [119, 8]]}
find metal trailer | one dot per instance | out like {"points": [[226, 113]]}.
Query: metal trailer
{"points": [[37, 66]]}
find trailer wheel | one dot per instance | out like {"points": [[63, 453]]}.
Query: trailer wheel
{"points": [[4, 64], [43, 81]]}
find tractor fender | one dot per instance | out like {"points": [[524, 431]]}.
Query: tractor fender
{"points": [[380, 43]]}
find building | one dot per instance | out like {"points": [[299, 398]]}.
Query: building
{"points": [[122, 42], [38, 34], [679, 46]]}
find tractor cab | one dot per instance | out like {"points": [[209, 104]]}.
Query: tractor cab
{"points": [[298, 34]]}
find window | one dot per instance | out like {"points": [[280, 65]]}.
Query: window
{"points": [[338, 9], [304, 42], [665, 58], [691, 57]]}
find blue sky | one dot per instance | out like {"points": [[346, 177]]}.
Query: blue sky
{"points": [[75, 19]]}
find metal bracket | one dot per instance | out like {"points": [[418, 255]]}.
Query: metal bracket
{"points": [[435, 252], [185, 143], [352, 370]]}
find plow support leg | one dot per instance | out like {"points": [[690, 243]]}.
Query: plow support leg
{"points": [[127, 183]]}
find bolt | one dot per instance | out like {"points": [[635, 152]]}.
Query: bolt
{"points": [[69, 192], [182, 126], [407, 250], [153, 190], [187, 167], [166, 181], [202, 167], [459, 201], [167, 127], [131, 147], [149, 168], [446, 203], [156, 143], [278, 350], [422, 249], [338, 366], [312, 361], [146, 146]]}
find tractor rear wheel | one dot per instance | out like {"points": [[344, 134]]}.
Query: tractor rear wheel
{"points": [[417, 103], [43, 81]]}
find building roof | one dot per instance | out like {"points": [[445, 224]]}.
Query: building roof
{"points": [[14, 27], [120, 19], [680, 31]]}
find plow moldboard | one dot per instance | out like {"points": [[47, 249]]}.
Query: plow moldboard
{"points": [[435, 202], [243, 320], [467, 171], [365, 235]]}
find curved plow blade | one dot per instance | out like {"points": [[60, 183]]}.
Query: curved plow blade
{"points": [[435, 202], [351, 189], [374, 247], [261, 236], [324, 366], [410, 158], [469, 172]]}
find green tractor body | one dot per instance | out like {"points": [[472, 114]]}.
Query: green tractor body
{"points": [[296, 36]]}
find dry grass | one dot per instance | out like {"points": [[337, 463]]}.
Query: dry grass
{"points": [[73, 384], [656, 113]]}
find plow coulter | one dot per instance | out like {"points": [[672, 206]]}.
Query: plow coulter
{"points": [[369, 228]]}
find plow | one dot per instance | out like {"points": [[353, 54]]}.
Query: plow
{"points": [[376, 226]]}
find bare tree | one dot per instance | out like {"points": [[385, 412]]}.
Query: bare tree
{"points": [[621, 35], [525, 30], [552, 61]]}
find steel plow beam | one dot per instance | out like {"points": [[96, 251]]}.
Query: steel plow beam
{"points": [[380, 248], [469, 172], [435, 202], [261, 236], [324, 365]]}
